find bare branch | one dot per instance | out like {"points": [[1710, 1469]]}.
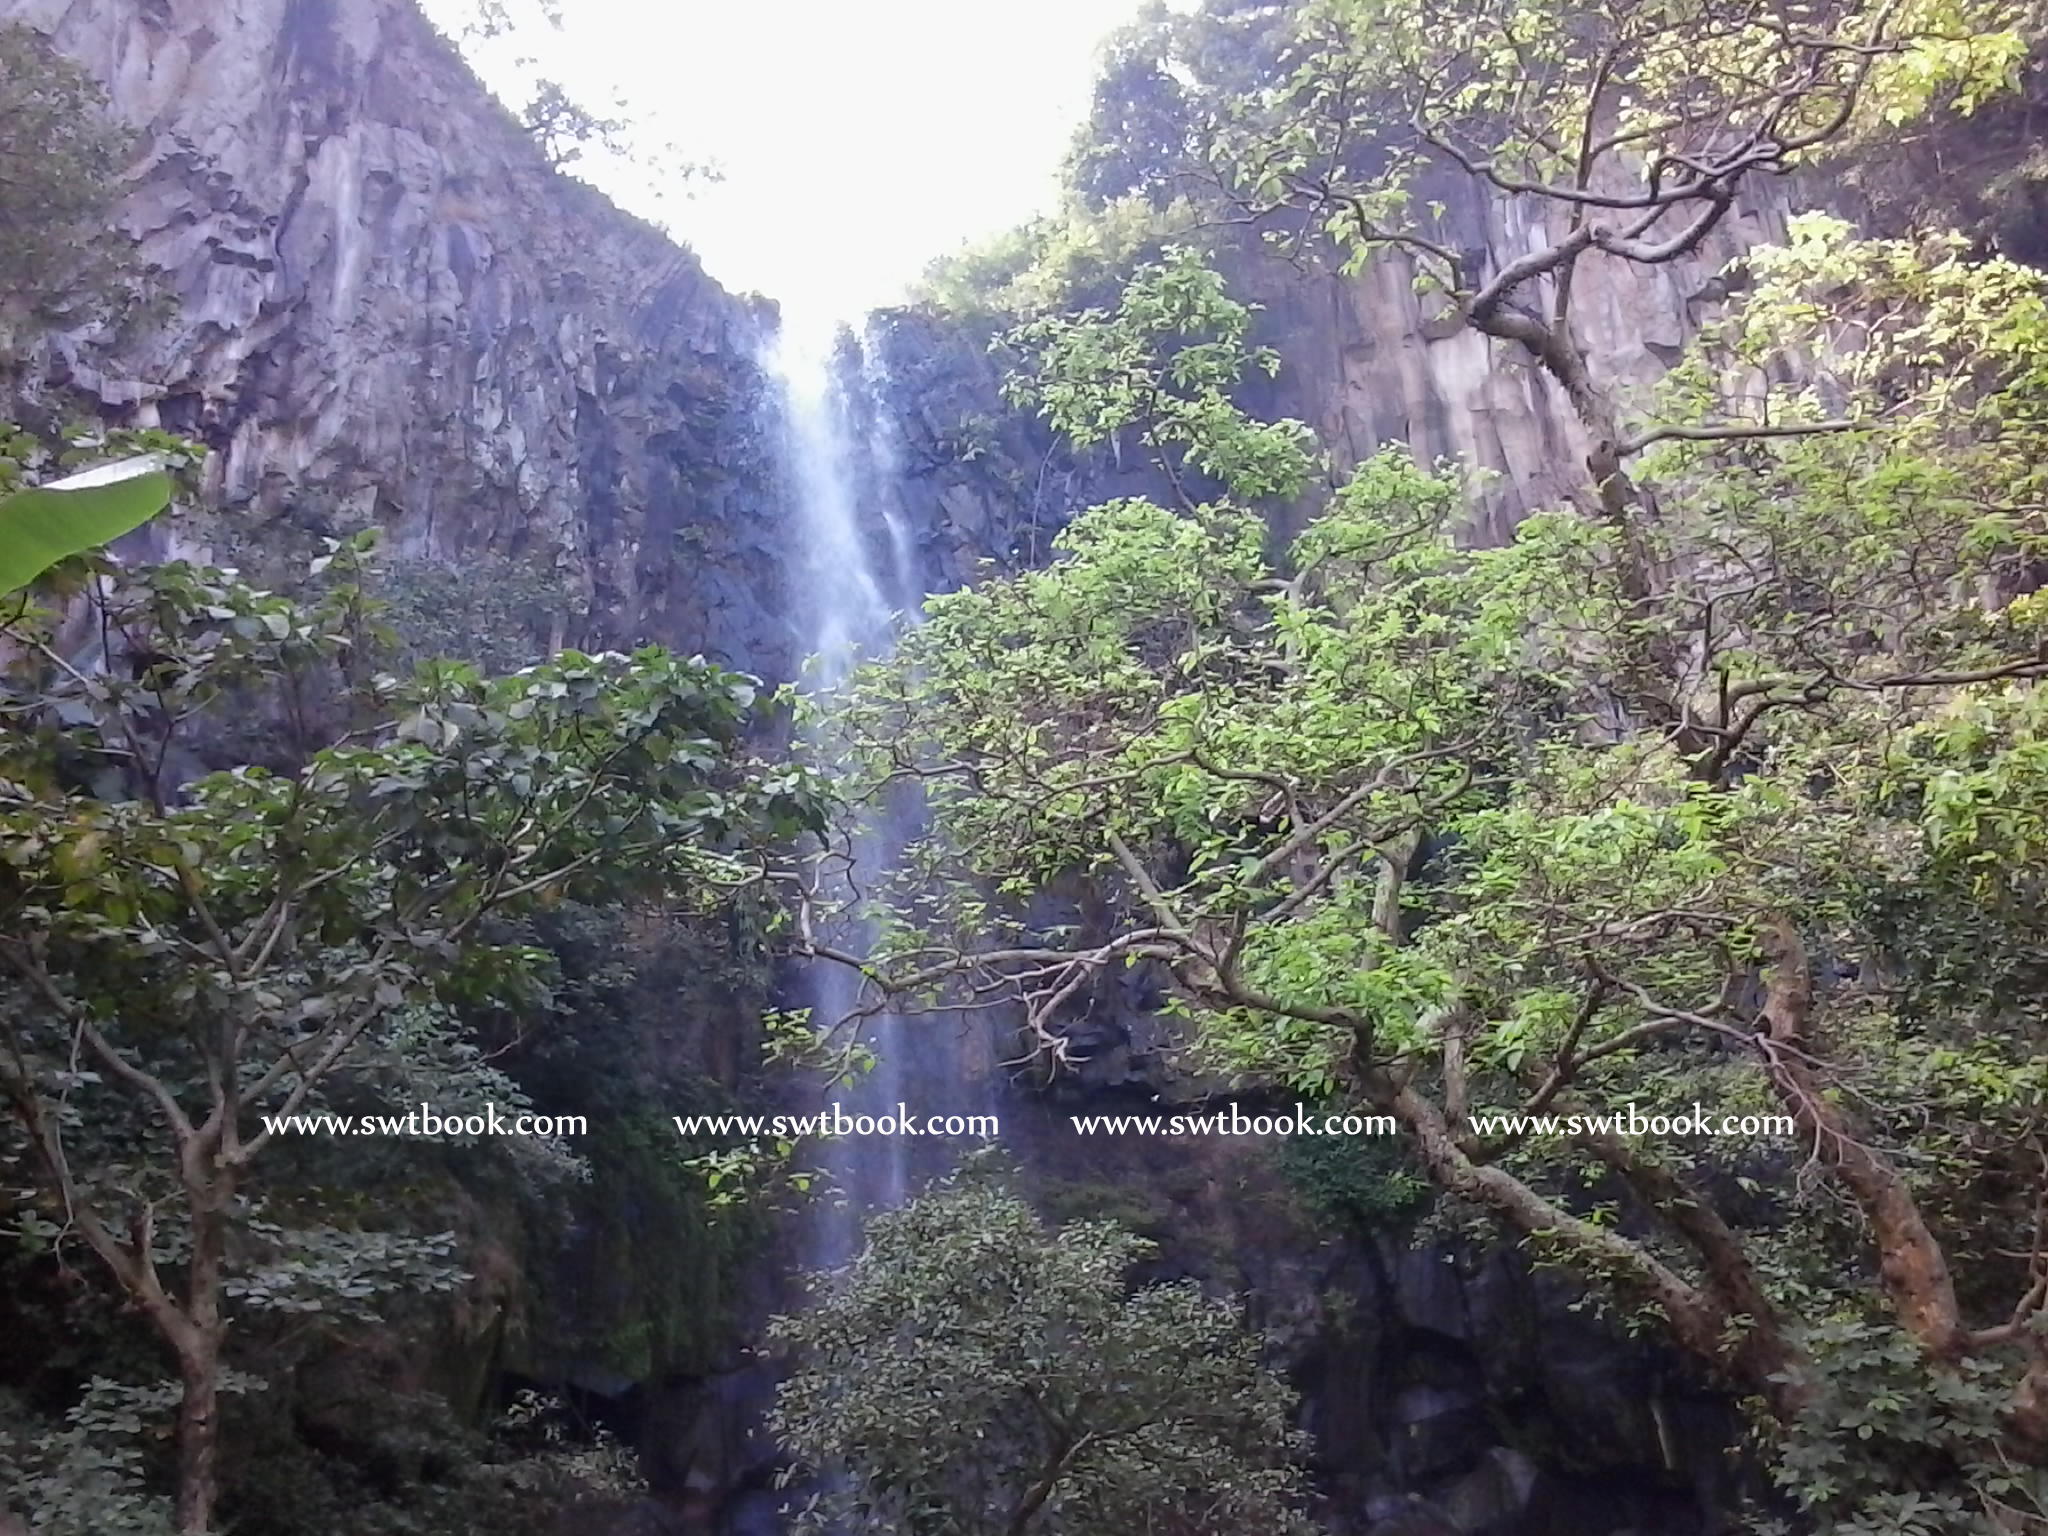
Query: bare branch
{"points": [[1731, 432]]}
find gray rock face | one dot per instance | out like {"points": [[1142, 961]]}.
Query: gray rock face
{"points": [[390, 305], [1362, 362]]}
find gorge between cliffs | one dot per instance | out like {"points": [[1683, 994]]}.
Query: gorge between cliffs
{"points": [[1409, 732]]}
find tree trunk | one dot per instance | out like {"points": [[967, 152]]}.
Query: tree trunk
{"points": [[199, 1437], [1698, 1321], [1034, 1498], [1761, 1353], [2028, 1416], [1912, 1267], [1650, 670], [210, 1192]]}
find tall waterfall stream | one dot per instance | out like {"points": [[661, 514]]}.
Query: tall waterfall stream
{"points": [[855, 578]]}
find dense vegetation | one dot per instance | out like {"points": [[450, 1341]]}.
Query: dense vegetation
{"points": [[1716, 787], [1036, 1393], [190, 952], [1721, 785], [262, 854], [64, 265]]}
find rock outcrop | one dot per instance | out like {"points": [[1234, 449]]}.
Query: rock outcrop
{"points": [[1363, 362], [390, 308]]}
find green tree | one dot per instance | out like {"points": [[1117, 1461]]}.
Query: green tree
{"points": [[515, 36], [61, 159], [1164, 84], [187, 954], [1462, 832], [974, 1374], [1616, 131], [564, 127], [1162, 367]]}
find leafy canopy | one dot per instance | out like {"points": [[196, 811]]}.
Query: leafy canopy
{"points": [[187, 950], [1724, 805], [64, 261], [974, 1374]]}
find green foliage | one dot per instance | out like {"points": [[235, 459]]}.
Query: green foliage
{"points": [[1134, 179], [87, 1477], [642, 1012], [396, 1464], [494, 612], [1033, 1390], [1883, 1430], [1649, 114], [1730, 796], [1162, 367], [654, 1290], [1365, 1183], [186, 955], [971, 282], [431, 1054], [750, 1177], [1138, 1208], [563, 127], [64, 260], [595, 1462], [1052, 264], [42, 525], [1166, 81], [62, 500]]}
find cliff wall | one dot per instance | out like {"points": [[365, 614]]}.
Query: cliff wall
{"points": [[1364, 362], [391, 309]]}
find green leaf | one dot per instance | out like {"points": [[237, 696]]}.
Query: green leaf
{"points": [[48, 523]]}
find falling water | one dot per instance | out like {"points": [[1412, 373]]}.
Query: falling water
{"points": [[886, 469], [840, 601], [845, 611]]}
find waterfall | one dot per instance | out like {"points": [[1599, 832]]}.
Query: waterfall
{"points": [[840, 605], [843, 475]]}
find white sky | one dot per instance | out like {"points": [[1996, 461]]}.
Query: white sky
{"points": [[859, 138]]}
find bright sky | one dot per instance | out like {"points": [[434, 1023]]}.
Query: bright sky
{"points": [[859, 138]]}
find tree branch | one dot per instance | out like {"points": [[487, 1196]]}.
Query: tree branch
{"points": [[1729, 432]]}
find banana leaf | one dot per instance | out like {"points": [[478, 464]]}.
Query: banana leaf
{"points": [[47, 523]]}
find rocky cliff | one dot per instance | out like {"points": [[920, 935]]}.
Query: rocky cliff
{"points": [[391, 309], [1363, 362]]}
